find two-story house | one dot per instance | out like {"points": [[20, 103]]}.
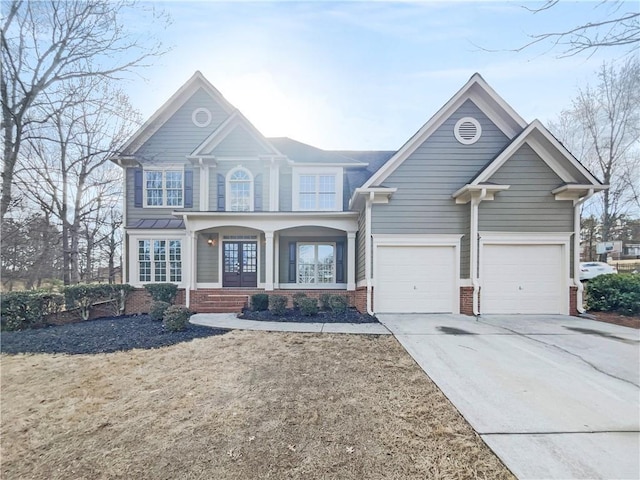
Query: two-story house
{"points": [[478, 212]]}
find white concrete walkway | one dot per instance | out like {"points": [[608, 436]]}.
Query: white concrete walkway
{"points": [[232, 322]]}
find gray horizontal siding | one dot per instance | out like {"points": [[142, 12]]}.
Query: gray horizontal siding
{"points": [[286, 189], [528, 206], [179, 137], [239, 142], [207, 259], [427, 179]]}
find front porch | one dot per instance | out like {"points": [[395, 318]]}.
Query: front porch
{"points": [[231, 256]]}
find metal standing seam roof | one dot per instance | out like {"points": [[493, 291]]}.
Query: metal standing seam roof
{"points": [[149, 223]]}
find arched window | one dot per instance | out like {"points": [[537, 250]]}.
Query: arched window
{"points": [[239, 190]]}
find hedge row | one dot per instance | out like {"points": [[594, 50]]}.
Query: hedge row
{"points": [[30, 309], [614, 293]]}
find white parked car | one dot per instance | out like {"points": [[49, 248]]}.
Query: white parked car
{"points": [[589, 270]]}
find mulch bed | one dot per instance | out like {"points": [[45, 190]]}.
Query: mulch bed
{"points": [[617, 319], [294, 315], [104, 335]]}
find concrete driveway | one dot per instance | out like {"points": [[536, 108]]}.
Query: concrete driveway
{"points": [[553, 396]]}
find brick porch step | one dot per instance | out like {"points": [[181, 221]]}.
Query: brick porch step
{"points": [[221, 304]]}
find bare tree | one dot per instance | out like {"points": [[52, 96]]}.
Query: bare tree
{"points": [[603, 129], [47, 43], [68, 174], [616, 23]]}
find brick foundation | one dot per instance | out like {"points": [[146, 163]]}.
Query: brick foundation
{"points": [[360, 299], [573, 301], [466, 300], [139, 301], [213, 300]]}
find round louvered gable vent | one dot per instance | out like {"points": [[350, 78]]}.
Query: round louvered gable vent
{"points": [[201, 117], [467, 130]]}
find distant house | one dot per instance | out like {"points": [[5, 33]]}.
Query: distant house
{"points": [[478, 212]]}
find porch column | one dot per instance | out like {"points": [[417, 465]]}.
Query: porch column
{"points": [[268, 261], [351, 260], [276, 261], [190, 274]]}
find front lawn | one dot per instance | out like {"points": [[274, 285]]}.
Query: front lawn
{"points": [[242, 405]]}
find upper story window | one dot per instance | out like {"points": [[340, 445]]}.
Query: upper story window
{"points": [[318, 190], [163, 188], [239, 190]]}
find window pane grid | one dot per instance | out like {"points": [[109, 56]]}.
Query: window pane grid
{"points": [[316, 263], [240, 191], [164, 188], [160, 260], [317, 192]]}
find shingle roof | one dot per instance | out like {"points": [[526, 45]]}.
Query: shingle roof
{"points": [[302, 153]]}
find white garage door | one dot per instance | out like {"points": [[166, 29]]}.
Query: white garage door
{"points": [[415, 279], [522, 279]]}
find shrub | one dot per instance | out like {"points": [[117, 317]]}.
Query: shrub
{"points": [[162, 292], [277, 304], [21, 310], [297, 297], [259, 302], [158, 309], [614, 293], [84, 296], [176, 318], [338, 303], [308, 306], [325, 301]]}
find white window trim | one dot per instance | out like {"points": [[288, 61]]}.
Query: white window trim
{"points": [[163, 169], [327, 171], [334, 272], [227, 186], [134, 265]]}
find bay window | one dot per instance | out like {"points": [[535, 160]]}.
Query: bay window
{"points": [[159, 260]]}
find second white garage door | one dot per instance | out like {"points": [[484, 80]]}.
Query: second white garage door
{"points": [[415, 279], [522, 279]]}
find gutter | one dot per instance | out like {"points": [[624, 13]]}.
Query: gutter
{"points": [[576, 249], [368, 254], [475, 203]]}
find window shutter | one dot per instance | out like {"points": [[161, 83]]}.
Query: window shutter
{"points": [[292, 262], [188, 188], [221, 190], [340, 262], [137, 187], [257, 193]]}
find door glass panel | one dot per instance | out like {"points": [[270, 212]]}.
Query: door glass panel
{"points": [[249, 258], [231, 264]]}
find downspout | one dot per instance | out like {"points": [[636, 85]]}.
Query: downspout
{"points": [[473, 266], [576, 249], [368, 256]]}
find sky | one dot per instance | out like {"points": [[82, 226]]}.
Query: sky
{"points": [[365, 75]]}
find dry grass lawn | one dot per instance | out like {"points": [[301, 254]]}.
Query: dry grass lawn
{"points": [[239, 406]]}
